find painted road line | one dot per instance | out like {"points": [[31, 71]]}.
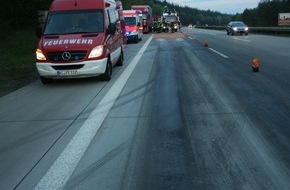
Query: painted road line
{"points": [[61, 170], [223, 55], [245, 40], [210, 33]]}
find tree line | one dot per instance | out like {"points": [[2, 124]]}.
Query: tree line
{"points": [[19, 14], [266, 14]]}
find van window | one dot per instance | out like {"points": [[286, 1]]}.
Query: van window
{"points": [[114, 18], [70, 22], [113, 15]]}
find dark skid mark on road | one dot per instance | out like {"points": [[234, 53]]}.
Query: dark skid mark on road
{"points": [[167, 158], [81, 178]]}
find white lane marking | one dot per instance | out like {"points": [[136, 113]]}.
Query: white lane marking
{"points": [[208, 32], [224, 56], [242, 39], [61, 170], [211, 33]]}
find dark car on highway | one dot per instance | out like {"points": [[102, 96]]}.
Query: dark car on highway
{"points": [[237, 27]]}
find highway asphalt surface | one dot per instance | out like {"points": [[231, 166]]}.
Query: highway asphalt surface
{"points": [[176, 115]]}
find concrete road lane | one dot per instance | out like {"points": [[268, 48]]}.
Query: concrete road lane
{"points": [[187, 118], [235, 120]]}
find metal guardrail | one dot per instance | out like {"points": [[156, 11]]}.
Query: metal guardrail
{"points": [[270, 30], [264, 30]]}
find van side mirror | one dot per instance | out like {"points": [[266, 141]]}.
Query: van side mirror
{"points": [[38, 31], [139, 24], [111, 28]]}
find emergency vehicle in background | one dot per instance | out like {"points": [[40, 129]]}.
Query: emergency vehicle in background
{"points": [[134, 30], [81, 38], [170, 20], [147, 21], [157, 24]]}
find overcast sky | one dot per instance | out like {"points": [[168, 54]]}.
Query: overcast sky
{"points": [[223, 6]]}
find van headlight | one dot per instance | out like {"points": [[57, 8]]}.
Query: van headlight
{"points": [[96, 52], [235, 29], [134, 32], [39, 55], [246, 29]]}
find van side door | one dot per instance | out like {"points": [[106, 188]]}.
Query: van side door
{"points": [[116, 40]]}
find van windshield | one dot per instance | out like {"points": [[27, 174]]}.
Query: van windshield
{"points": [[237, 24], [170, 19], [130, 21], [71, 22]]}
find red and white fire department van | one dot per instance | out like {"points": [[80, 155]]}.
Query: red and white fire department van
{"points": [[134, 29], [81, 38]]}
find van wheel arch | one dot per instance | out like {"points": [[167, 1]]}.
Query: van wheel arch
{"points": [[121, 59]]}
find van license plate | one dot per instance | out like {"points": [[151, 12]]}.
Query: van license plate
{"points": [[67, 73]]}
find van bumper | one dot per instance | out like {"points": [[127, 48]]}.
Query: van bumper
{"points": [[132, 37], [72, 70]]}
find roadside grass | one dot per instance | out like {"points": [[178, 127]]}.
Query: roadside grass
{"points": [[17, 63]]}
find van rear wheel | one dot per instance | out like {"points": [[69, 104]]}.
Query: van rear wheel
{"points": [[108, 73]]}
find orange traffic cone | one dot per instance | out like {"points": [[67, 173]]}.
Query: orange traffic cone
{"points": [[255, 65], [206, 43]]}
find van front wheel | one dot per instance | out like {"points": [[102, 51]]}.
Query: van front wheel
{"points": [[107, 75]]}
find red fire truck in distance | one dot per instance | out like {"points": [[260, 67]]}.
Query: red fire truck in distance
{"points": [[147, 20]]}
